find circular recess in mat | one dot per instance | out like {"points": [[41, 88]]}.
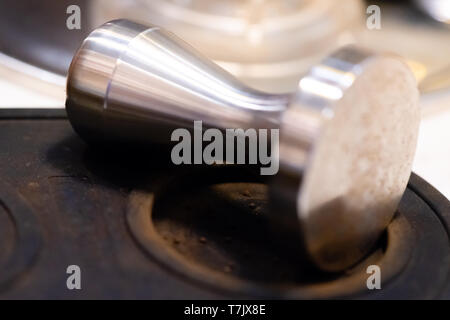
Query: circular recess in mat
{"points": [[20, 237], [211, 228]]}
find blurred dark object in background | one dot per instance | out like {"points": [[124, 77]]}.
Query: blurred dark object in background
{"points": [[35, 31]]}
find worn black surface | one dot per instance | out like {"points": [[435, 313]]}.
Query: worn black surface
{"points": [[140, 228]]}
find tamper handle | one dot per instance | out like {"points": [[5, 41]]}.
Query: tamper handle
{"points": [[131, 82]]}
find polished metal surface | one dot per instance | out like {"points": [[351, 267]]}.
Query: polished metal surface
{"points": [[348, 134]]}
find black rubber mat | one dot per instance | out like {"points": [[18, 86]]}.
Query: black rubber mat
{"points": [[140, 228]]}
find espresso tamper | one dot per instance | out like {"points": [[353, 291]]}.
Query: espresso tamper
{"points": [[347, 135]]}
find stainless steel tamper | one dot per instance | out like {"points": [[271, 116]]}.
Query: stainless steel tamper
{"points": [[347, 136]]}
